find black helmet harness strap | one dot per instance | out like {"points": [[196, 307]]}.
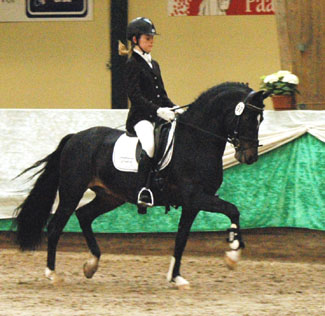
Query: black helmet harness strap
{"points": [[137, 43]]}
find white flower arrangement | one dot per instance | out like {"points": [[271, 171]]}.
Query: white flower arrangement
{"points": [[282, 82]]}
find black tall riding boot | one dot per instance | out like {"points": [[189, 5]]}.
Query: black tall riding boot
{"points": [[145, 197]]}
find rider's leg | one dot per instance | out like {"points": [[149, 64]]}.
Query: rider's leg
{"points": [[145, 132], [144, 193]]}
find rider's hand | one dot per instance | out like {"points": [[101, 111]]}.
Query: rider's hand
{"points": [[166, 114]]}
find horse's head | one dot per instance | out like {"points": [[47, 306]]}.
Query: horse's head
{"points": [[232, 112], [247, 117]]}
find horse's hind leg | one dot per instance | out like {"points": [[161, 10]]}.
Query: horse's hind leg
{"points": [[187, 218], [86, 215], [55, 228]]}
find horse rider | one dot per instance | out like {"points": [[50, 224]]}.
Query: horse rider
{"points": [[148, 97]]}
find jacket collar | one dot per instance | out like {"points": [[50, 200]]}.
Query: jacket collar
{"points": [[146, 57], [141, 60]]}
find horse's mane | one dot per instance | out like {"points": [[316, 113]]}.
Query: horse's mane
{"points": [[212, 96]]}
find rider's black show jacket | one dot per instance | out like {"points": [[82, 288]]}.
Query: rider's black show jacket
{"points": [[145, 89]]}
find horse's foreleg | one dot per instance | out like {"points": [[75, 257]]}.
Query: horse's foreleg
{"points": [[216, 205], [86, 215], [185, 224]]}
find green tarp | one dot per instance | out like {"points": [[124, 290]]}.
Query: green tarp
{"points": [[285, 188]]}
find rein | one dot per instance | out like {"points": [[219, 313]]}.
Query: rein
{"points": [[235, 139], [199, 128], [203, 130]]}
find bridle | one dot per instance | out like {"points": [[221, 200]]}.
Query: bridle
{"points": [[235, 138]]}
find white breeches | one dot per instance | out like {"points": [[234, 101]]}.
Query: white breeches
{"points": [[145, 132]]}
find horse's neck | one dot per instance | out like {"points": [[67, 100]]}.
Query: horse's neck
{"points": [[196, 152], [201, 135], [205, 127]]}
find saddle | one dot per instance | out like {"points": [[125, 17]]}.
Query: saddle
{"points": [[127, 149]]}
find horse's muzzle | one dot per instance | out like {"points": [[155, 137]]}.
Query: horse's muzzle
{"points": [[247, 156]]}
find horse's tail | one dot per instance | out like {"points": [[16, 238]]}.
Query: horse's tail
{"points": [[34, 212]]}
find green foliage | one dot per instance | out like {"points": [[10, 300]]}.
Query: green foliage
{"points": [[280, 83]]}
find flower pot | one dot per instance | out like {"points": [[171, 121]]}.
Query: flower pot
{"points": [[283, 102]]}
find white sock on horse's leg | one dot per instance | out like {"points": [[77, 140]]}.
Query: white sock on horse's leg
{"points": [[233, 256], [178, 281], [51, 275], [170, 270]]}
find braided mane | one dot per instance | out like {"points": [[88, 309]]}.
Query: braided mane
{"points": [[216, 98], [221, 90]]}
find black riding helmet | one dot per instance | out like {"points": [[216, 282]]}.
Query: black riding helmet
{"points": [[140, 26]]}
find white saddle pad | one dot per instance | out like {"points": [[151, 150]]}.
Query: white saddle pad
{"points": [[124, 153]]}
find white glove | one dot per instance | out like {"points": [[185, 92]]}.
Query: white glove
{"points": [[177, 109], [166, 114]]}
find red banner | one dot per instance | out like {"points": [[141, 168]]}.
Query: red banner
{"points": [[220, 7]]}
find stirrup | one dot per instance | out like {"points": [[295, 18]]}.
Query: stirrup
{"points": [[145, 203]]}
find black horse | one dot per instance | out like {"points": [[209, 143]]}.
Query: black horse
{"points": [[227, 112]]}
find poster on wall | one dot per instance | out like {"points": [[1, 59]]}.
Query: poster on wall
{"points": [[45, 10], [220, 7]]}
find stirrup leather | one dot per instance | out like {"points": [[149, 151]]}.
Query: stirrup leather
{"points": [[144, 203]]}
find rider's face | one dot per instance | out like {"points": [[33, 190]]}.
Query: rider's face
{"points": [[146, 42]]}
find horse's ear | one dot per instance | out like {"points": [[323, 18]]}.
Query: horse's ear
{"points": [[259, 95], [266, 94]]}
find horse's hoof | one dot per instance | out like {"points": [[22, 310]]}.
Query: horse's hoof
{"points": [[184, 287], [51, 275], [90, 267], [231, 265], [180, 283], [57, 280], [231, 258]]}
